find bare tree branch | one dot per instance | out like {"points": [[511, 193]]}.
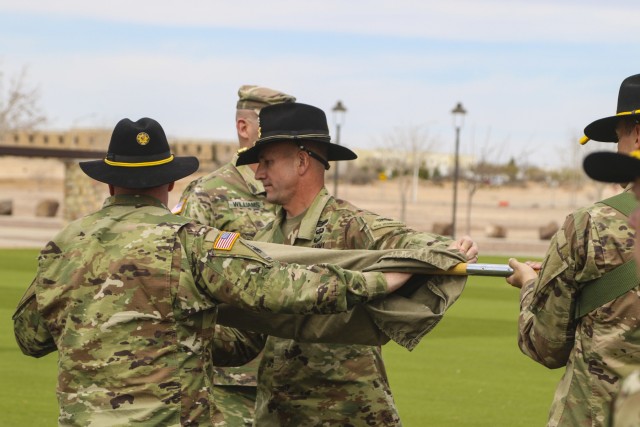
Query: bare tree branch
{"points": [[19, 104], [405, 148]]}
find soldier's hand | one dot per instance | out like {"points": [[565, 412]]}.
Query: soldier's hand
{"points": [[522, 273], [536, 265], [468, 247], [396, 280]]}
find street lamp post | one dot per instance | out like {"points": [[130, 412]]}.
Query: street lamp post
{"points": [[458, 119], [339, 111]]}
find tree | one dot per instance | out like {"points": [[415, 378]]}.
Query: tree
{"points": [[482, 171], [437, 175], [405, 147], [511, 170], [19, 109]]}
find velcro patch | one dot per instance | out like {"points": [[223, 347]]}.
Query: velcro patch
{"points": [[386, 222], [225, 240]]}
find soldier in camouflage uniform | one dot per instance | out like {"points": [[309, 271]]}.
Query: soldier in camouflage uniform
{"points": [[616, 167], [231, 199], [626, 405], [302, 384], [128, 295], [597, 345]]}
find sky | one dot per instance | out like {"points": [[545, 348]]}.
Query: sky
{"points": [[530, 73]]}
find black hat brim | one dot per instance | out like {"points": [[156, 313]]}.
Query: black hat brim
{"points": [[611, 167], [334, 151], [140, 177], [603, 130]]}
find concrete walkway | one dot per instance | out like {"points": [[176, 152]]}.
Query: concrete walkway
{"points": [[27, 232]]}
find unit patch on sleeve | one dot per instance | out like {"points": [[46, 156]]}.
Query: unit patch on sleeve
{"points": [[225, 240], [177, 210]]}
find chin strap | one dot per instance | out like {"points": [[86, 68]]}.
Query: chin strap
{"points": [[315, 156]]}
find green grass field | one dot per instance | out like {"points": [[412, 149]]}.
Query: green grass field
{"points": [[467, 372]]}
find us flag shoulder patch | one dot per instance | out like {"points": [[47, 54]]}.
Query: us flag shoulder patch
{"points": [[177, 209], [225, 240]]}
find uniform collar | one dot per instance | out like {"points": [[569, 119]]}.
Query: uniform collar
{"points": [[133, 200], [309, 223]]}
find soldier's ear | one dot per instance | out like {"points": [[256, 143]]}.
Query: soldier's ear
{"points": [[303, 160], [242, 127]]}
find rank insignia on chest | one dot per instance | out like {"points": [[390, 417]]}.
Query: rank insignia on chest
{"points": [[225, 241]]}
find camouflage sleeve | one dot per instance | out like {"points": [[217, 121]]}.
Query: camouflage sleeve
{"points": [[546, 325], [249, 279], [196, 204], [29, 328], [405, 317], [232, 347], [372, 231]]}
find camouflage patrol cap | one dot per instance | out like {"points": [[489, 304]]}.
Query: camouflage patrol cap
{"points": [[251, 97]]}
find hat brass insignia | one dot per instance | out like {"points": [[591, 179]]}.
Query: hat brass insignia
{"points": [[143, 138]]}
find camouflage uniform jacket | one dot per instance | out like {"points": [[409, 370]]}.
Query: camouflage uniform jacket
{"points": [[599, 348], [128, 297], [304, 384], [229, 199]]}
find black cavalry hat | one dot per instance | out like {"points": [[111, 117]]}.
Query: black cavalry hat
{"points": [[628, 105], [139, 157], [297, 123], [607, 166]]}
